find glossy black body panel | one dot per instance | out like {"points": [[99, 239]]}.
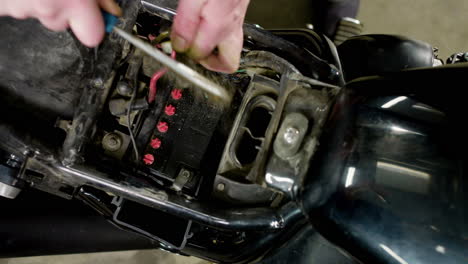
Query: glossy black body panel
{"points": [[377, 54], [308, 246], [37, 223], [390, 186]]}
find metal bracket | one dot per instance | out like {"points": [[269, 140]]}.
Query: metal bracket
{"points": [[182, 178]]}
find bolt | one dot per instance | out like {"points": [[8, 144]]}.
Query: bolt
{"points": [[170, 110], [97, 83], [155, 143], [221, 187], [185, 174], [162, 127], [111, 142], [334, 73], [310, 26], [148, 159], [291, 135], [176, 94], [13, 161], [124, 89]]}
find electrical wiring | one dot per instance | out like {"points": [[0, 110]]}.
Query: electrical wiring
{"points": [[129, 123], [151, 98], [154, 80]]}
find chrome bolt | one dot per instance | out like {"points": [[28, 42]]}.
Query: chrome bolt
{"points": [[291, 135], [221, 187]]}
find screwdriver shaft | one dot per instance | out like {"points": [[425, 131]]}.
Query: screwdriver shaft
{"points": [[180, 69]]}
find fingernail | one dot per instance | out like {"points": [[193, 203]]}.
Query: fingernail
{"points": [[116, 10], [179, 44], [112, 7]]}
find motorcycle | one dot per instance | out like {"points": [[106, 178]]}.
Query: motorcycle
{"points": [[331, 153]]}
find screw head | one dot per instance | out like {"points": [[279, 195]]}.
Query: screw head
{"points": [[221, 187], [155, 143], [162, 127], [291, 135], [185, 174], [170, 110], [97, 83], [111, 142], [334, 73], [176, 94], [124, 89], [148, 159]]}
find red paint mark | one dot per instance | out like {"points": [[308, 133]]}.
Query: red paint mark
{"points": [[155, 143], [162, 127], [170, 110], [176, 94], [148, 159]]}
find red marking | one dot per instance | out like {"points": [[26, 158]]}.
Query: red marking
{"points": [[176, 94], [155, 143], [170, 110], [148, 159], [162, 127]]}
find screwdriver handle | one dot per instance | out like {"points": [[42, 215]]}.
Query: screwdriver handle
{"points": [[109, 21]]}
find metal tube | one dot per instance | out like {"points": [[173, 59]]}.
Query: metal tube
{"points": [[230, 219], [160, 8]]}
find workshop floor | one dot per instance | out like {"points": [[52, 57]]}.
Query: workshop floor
{"points": [[441, 23]]}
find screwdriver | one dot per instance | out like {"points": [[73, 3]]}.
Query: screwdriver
{"points": [[180, 69]]}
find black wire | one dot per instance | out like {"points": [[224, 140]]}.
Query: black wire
{"points": [[125, 60], [130, 131]]}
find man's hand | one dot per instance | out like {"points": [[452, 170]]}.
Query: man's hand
{"points": [[201, 26], [82, 16]]}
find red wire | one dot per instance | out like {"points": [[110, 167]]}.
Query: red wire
{"points": [[154, 80]]}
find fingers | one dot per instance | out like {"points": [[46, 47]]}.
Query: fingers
{"points": [[186, 23], [83, 16], [203, 25], [54, 24], [18, 9], [46, 9], [110, 7], [86, 22], [219, 20], [228, 58]]}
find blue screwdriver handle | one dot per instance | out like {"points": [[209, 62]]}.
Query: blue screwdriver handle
{"points": [[109, 21]]}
